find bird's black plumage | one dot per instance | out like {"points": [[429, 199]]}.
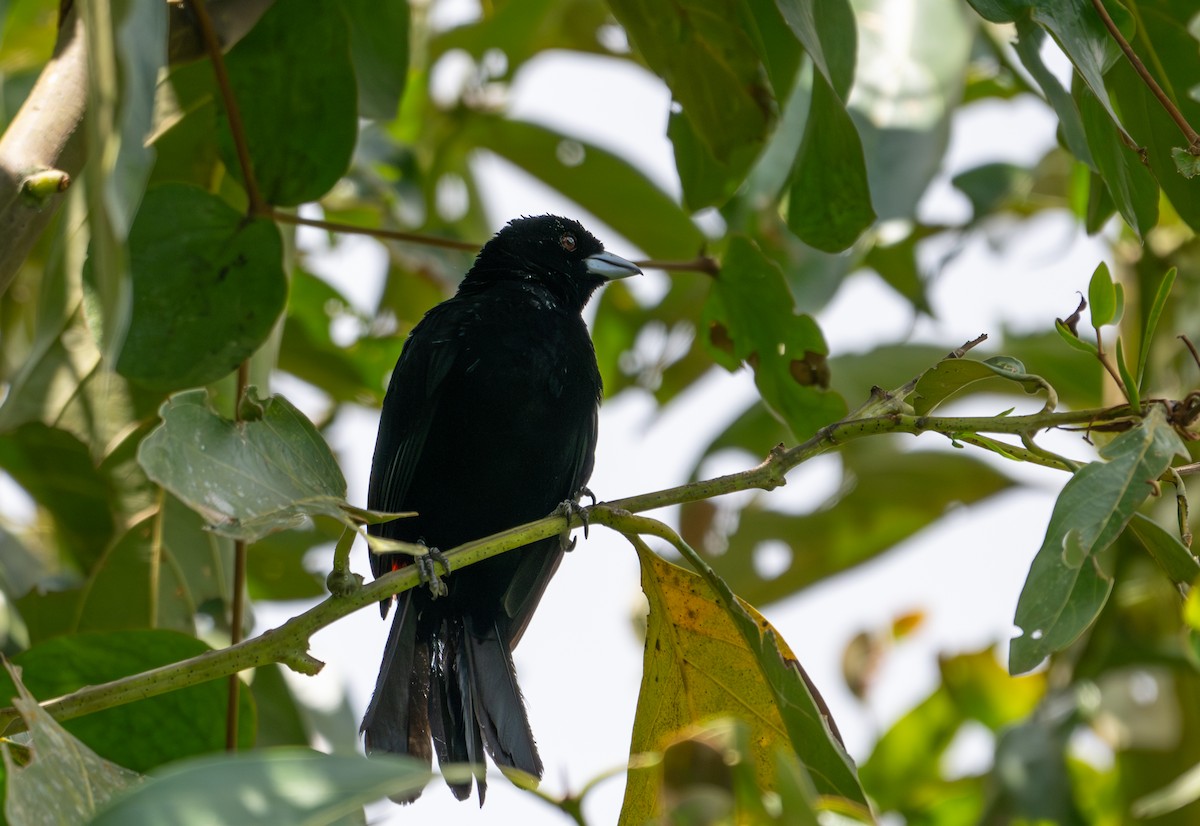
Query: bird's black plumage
{"points": [[489, 421]]}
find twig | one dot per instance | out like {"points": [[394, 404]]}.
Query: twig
{"points": [[374, 232], [237, 599], [236, 127], [289, 643], [701, 263], [1193, 138]]}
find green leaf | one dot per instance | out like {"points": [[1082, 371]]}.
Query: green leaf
{"points": [[989, 186], [1173, 556], [207, 288], [56, 469], [356, 373], [126, 43], [379, 51], [829, 202], [894, 778], [65, 782], [275, 568], [897, 266], [1074, 340], [985, 692], [1102, 297], [597, 180], [706, 180], [750, 316], [1078, 31], [1166, 45], [704, 53], [620, 319], [1187, 163], [950, 376], [281, 785], [1059, 599], [159, 574], [827, 32], [1031, 780], [525, 29], [145, 733], [1133, 188], [1152, 317], [1076, 375], [1030, 39], [1127, 379], [296, 92], [280, 721], [247, 478]]}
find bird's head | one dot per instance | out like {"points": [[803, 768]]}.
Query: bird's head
{"points": [[555, 253]]}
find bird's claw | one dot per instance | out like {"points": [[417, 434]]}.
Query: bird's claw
{"points": [[427, 569], [567, 509]]}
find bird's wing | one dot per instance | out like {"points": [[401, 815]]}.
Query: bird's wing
{"points": [[539, 563], [408, 410]]}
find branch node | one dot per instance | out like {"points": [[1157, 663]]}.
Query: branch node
{"points": [[343, 583], [40, 186], [303, 663]]}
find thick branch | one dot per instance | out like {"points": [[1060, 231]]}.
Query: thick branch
{"points": [[45, 135], [45, 142]]}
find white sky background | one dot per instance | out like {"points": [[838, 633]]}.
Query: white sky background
{"points": [[580, 662]]}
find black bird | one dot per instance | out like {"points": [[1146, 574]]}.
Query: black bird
{"points": [[489, 422]]}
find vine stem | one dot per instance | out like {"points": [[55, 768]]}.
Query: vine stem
{"points": [[1193, 138]]}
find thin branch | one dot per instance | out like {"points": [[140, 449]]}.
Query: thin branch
{"points": [[213, 45], [289, 643], [1193, 138], [374, 232], [238, 597], [701, 263], [1102, 357]]}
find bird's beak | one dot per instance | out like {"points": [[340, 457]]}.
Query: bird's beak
{"points": [[610, 267]]}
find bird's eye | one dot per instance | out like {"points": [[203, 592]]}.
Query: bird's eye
{"points": [[567, 241]]}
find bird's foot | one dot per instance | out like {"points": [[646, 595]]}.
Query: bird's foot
{"points": [[427, 569], [569, 508]]}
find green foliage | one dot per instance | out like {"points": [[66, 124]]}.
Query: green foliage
{"points": [[294, 785], [147, 733], [1067, 583], [192, 259], [294, 78], [809, 134]]}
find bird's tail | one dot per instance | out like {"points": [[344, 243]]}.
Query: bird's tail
{"points": [[496, 698], [397, 720], [457, 688], [475, 703]]}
